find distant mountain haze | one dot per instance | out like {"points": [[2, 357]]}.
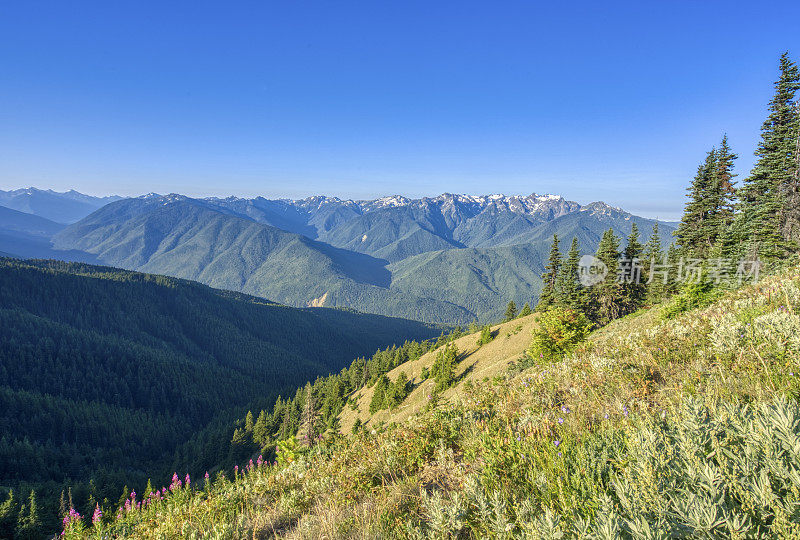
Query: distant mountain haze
{"points": [[63, 208], [447, 259]]}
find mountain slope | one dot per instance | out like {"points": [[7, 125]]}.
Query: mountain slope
{"points": [[588, 225], [483, 280], [391, 256], [193, 239], [104, 371], [62, 208], [25, 235], [475, 362], [29, 224], [683, 427]]}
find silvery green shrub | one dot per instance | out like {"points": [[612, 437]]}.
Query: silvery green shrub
{"points": [[705, 471]]}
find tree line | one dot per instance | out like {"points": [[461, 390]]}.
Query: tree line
{"points": [[726, 231]]}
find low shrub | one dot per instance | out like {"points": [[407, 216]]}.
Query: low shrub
{"points": [[558, 332]]}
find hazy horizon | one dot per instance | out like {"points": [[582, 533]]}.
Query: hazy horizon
{"points": [[662, 217]]}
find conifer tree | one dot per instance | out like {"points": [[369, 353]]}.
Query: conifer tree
{"points": [[769, 219], [547, 297], [398, 391], [379, 395], [443, 370], [29, 522], [511, 311], [633, 287], [526, 310], [261, 429], [486, 335], [697, 222], [653, 267], [309, 418], [63, 510], [569, 291], [673, 279], [722, 193], [8, 516], [608, 293]]}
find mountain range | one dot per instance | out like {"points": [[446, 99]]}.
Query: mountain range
{"points": [[67, 207], [447, 259]]}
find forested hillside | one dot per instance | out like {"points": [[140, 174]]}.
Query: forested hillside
{"points": [[103, 372]]}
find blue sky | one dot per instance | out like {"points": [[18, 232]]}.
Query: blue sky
{"points": [[613, 101]]}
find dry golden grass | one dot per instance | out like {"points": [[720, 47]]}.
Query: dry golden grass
{"points": [[475, 363]]}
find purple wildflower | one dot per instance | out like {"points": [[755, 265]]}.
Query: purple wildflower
{"points": [[560, 420], [97, 517], [556, 442]]}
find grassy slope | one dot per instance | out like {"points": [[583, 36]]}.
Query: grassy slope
{"points": [[655, 433], [475, 363]]}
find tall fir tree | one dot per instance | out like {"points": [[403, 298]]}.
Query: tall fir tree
{"points": [[547, 298], [653, 266], [607, 294], [674, 280], [768, 223], [511, 311], [379, 395], [633, 287], [697, 223], [8, 516], [443, 370], [569, 291], [29, 522], [722, 193], [309, 418]]}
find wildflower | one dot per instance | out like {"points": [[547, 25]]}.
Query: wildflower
{"points": [[188, 480], [206, 475], [565, 409], [556, 442], [559, 454], [606, 416], [98, 515], [560, 420], [625, 411], [176, 482]]}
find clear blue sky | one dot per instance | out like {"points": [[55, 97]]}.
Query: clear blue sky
{"points": [[614, 101]]}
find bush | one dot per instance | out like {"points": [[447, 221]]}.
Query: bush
{"points": [[696, 294], [486, 335], [558, 332]]}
